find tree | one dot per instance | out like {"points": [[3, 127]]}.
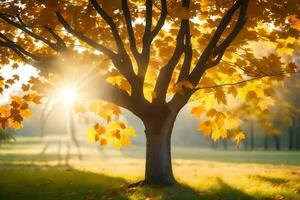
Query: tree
{"points": [[152, 57], [288, 112]]}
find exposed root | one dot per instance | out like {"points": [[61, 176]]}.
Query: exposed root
{"points": [[137, 184]]}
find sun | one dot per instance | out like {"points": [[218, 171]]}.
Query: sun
{"points": [[67, 95]]}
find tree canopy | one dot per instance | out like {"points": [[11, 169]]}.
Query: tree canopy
{"points": [[148, 56]]}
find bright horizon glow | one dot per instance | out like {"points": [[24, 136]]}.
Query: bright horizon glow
{"points": [[67, 95]]}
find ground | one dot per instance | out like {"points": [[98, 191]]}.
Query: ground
{"points": [[30, 171]]}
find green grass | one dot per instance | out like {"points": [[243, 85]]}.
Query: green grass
{"points": [[35, 182], [28, 173]]}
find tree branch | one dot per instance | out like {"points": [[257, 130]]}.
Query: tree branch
{"points": [[244, 81], [35, 36], [161, 20], [60, 41], [188, 55], [85, 39], [123, 64], [130, 31], [7, 44], [212, 50], [111, 24], [178, 101], [150, 35], [149, 6], [165, 74], [18, 49]]}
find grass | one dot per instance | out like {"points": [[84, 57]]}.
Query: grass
{"points": [[28, 173]]}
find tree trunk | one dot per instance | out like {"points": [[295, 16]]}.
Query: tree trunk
{"points": [[291, 138], [246, 144], [158, 152], [252, 141], [266, 144], [213, 145], [225, 145], [277, 143], [297, 137], [158, 161]]}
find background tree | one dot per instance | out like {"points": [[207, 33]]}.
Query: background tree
{"points": [[287, 110], [150, 57]]}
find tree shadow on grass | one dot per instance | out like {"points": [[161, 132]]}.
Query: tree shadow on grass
{"points": [[54, 183], [272, 180], [226, 192], [63, 183], [181, 192]]}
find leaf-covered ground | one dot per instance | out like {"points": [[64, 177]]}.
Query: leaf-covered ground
{"points": [[28, 172]]}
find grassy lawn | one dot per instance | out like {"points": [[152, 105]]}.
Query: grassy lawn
{"points": [[28, 172]]}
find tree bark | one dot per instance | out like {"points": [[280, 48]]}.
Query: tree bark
{"points": [[158, 152]]}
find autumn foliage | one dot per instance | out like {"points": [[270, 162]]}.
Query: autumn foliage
{"points": [[151, 57]]}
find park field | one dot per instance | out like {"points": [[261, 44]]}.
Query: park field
{"points": [[31, 169]]}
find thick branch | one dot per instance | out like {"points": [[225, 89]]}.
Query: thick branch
{"points": [[60, 42], [186, 66], [220, 50], [161, 20], [107, 92], [183, 44], [166, 72], [188, 55], [212, 50], [150, 35], [123, 63], [130, 31], [111, 24]]}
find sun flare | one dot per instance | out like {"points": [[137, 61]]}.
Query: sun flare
{"points": [[67, 95]]}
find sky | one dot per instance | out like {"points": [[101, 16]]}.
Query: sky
{"points": [[24, 72]]}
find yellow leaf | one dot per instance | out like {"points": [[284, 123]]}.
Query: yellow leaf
{"points": [[103, 142], [117, 144], [180, 86], [211, 113], [198, 111], [251, 95], [181, 12], [99, 129], [130, 132], [232, 90], [221, 97], [25, 113], [205, 128], [91, 135], [187, 84], [15, 125], [220, 119], [219, 133], [125, 140], [239, 138]]}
